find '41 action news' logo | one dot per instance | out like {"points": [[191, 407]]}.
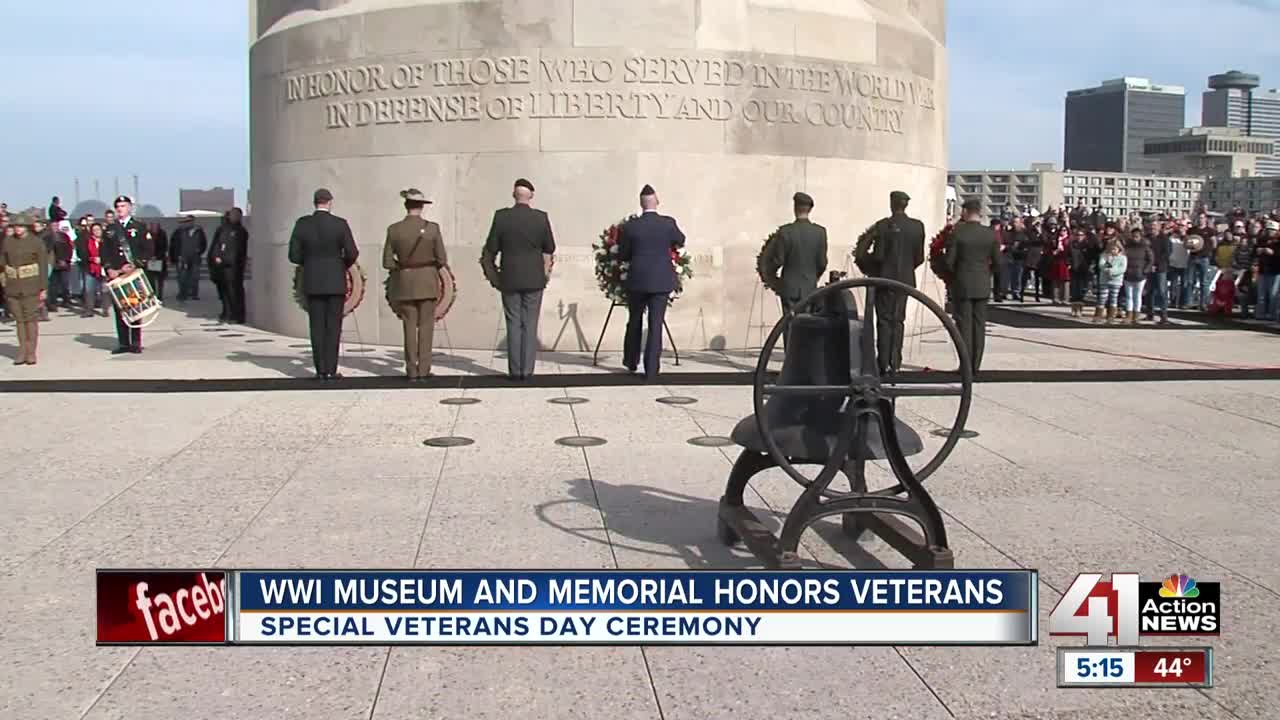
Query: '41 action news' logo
{"points": [[1127, 609]]}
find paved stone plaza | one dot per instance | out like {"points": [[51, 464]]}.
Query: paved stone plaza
{"points": [[1062, 476]]}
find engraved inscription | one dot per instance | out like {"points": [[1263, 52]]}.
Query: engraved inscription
{"points": [[838, 96]]}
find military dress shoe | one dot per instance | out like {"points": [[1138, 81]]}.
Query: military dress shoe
{"points": [[135, 350], [120, 351]]}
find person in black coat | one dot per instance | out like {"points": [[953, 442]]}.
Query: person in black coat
{"points": [[646, 242], [323, 246], [520, 238], [227, 260], [186, 248]]}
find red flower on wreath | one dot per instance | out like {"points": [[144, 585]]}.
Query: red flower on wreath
{"points": [[937, 246]]}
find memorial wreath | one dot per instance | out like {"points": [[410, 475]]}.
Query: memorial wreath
{"points": [[611, 272], [937, 247], [355, 289], [764, 278]]}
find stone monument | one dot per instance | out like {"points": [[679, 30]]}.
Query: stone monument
{"points": [[727, 107]]}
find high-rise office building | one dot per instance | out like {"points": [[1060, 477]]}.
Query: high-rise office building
{"points": [[1233, 101], [1107, 126]]}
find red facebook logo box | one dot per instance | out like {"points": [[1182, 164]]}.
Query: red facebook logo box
{"points": [[162, 607]]}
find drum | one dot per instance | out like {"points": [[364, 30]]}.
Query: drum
{"points": [[134, 299]]}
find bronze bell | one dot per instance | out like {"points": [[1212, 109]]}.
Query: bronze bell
{"points": [[822, 348]]}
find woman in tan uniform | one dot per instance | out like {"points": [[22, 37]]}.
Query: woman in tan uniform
{"points": [[26, 275], [414, 254]]}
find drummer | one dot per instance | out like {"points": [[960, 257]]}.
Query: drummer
{"points": [[118, 250], [414, 254]]}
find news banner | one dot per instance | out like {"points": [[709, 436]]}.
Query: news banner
{"points": [[702, 607]]}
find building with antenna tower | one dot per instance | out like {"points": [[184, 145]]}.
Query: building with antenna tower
{"points": [[1233, 101]]}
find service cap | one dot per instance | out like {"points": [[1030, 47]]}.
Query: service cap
{"points": [[414, 195], [973, 205], [522, 183], [321, 196], [897, 196], [802, 199], [647, 190], [122, 199]]}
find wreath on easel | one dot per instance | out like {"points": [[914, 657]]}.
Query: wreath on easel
{"points": [[354, 295]]}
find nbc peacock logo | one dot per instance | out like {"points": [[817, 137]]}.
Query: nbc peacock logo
{"points": [[1179, 586]]}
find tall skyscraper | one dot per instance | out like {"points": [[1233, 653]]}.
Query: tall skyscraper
{"points": [[1233, 101], [1107, 126]]}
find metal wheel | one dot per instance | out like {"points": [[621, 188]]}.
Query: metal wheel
{"points": [[867, 386]]}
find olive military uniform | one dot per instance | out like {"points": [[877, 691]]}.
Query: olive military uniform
{"points": [[25, 263], [800, 251], [893, 249], [971, 252], [413, 254]]}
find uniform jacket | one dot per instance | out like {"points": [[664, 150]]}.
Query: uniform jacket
{"points": [[512, 258], [800, 251], [971, 252], [646, 243], [323, 245], [893, 250], [188, 243], [121, 244], [25, 266], [413, 254]]}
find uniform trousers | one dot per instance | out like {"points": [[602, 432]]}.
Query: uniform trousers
{"points": [[522, 309], [891, 318], [419, 319], [971, 316], [640, 305], [325, 314], [127, 337]]}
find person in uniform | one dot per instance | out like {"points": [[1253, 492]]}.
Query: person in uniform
{"points": [[646, 242], [323, 245], [520, 238], [120, 247], [25, 265], [971, 252], [799, 250], [413, 254], [892, 250]]}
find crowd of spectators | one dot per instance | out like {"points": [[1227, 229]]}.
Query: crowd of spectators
{"points": [[1137, 267]]}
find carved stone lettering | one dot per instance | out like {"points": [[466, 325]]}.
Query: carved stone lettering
{"points": [[838, 97]]}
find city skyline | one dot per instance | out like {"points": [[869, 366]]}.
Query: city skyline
{"points": [[175, 112]]}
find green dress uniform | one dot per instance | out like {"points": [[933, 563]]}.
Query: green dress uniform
{"points": [[893, 249], [25, 264], [800, 251], [971, 252], [413, 254]]}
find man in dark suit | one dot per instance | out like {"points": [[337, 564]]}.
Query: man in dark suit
{"points": [[893, 250], [971, 252], [186, 247], [520, 238], [646, 242], [323, 245], [121, 247], [800, 251]]}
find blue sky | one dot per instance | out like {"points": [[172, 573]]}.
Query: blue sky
{"points": [[159, 88]]}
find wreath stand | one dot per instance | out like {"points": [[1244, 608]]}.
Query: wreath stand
{"points": [[666, 331]]}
